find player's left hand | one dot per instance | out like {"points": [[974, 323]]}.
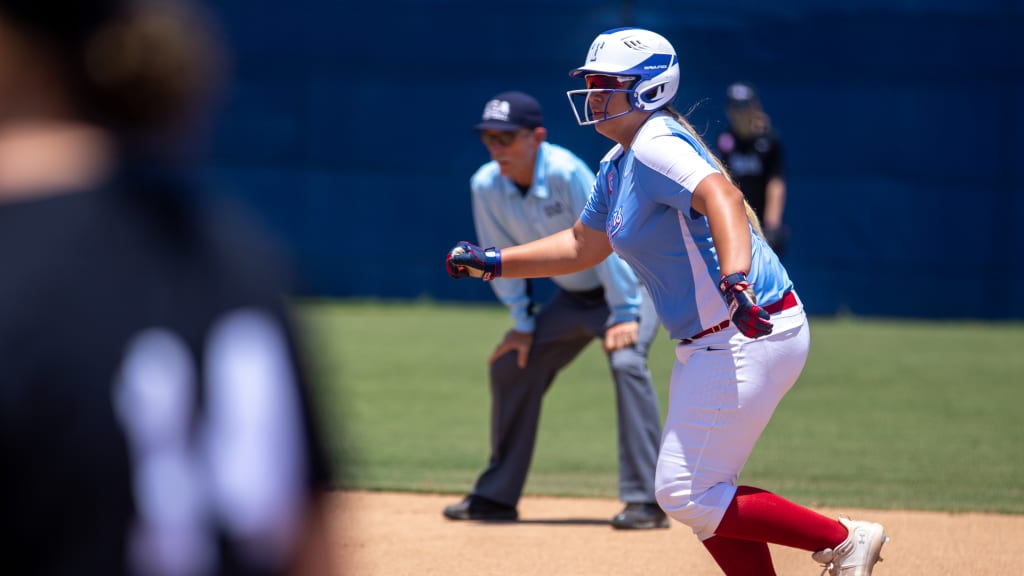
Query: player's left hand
{"points": [[750, 319], [469, 260], [621, 335]]}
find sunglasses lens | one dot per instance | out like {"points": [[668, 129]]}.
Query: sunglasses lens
{"points": [[501, 138], [602, 82]]}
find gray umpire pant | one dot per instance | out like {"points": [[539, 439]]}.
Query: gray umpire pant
{"points": [[564, 327]]}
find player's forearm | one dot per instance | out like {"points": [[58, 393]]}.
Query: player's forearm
{"points": [[565, 252], [552, 255]]}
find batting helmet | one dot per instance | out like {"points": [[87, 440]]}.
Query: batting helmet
{"points": [[645, 56]]}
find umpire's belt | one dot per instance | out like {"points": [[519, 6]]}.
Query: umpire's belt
{"points": [[592, 297], [787, 301]]}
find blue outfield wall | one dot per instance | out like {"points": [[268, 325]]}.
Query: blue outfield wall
{"points": [[348, 129]]}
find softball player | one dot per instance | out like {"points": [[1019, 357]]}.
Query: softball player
{"points": [[663, 203], [528, 190]]}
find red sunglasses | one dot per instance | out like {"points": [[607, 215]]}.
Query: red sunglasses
{"points": [[608, 82]]}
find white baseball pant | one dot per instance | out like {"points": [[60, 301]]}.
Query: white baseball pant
{"points": [[723, 392]]}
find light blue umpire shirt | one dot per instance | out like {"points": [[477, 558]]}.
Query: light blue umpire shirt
{"points": [[505, 217]]}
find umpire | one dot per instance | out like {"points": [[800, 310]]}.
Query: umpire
{"points": [[529, 189]]}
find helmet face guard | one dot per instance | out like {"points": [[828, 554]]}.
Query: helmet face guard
{"points": [[584, 108], [585, 103], [641, 55]]}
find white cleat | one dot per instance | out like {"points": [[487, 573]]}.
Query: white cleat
{"points": [[857, 555]]}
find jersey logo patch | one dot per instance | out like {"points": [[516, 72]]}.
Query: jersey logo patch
{"points": [[615, 223], [552, 210]]}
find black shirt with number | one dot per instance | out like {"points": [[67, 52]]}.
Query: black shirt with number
{"points": [[154, 415], [752, 163]]}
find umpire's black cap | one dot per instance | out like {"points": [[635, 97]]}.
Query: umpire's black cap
{"points": [[511, 111]]}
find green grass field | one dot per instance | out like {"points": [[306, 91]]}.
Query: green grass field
{"points": [[887, 414]]}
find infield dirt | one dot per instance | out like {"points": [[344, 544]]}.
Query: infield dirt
{"points": [[389, 534]]}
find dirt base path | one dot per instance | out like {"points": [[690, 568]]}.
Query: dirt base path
{"points": [[386, 534]]}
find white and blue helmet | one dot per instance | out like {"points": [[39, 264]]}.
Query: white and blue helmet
{"points": [[642, 56]]}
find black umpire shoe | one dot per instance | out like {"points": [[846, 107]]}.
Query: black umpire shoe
{"points": [[475, 507], [640, 517]]}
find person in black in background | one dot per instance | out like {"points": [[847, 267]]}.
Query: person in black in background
{"points": [[154, 415], [752, 152]]}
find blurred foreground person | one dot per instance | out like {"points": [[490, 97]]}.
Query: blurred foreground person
{"points": [[154, 417]]}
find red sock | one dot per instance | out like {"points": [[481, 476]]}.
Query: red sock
{"points": [[740, 557], [761, 516]]}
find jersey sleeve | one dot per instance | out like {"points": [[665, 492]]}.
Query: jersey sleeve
{"points": [[672, 168]]}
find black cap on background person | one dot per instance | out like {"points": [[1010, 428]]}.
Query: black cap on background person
{"points": [[743, 108], [741, 95], [511, 111]]}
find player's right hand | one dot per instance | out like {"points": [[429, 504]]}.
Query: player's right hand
{"points": [[514, 341], [469, 260]]}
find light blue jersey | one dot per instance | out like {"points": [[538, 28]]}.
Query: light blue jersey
{"points": [[504, 217], [642, 201]]}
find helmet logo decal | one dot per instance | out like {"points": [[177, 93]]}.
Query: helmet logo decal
{"points": [[496, 110], [594, 49], [658, 62], [636, 44]]}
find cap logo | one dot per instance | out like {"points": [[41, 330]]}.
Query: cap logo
{"points": [[594, 49], [497, 110]]}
